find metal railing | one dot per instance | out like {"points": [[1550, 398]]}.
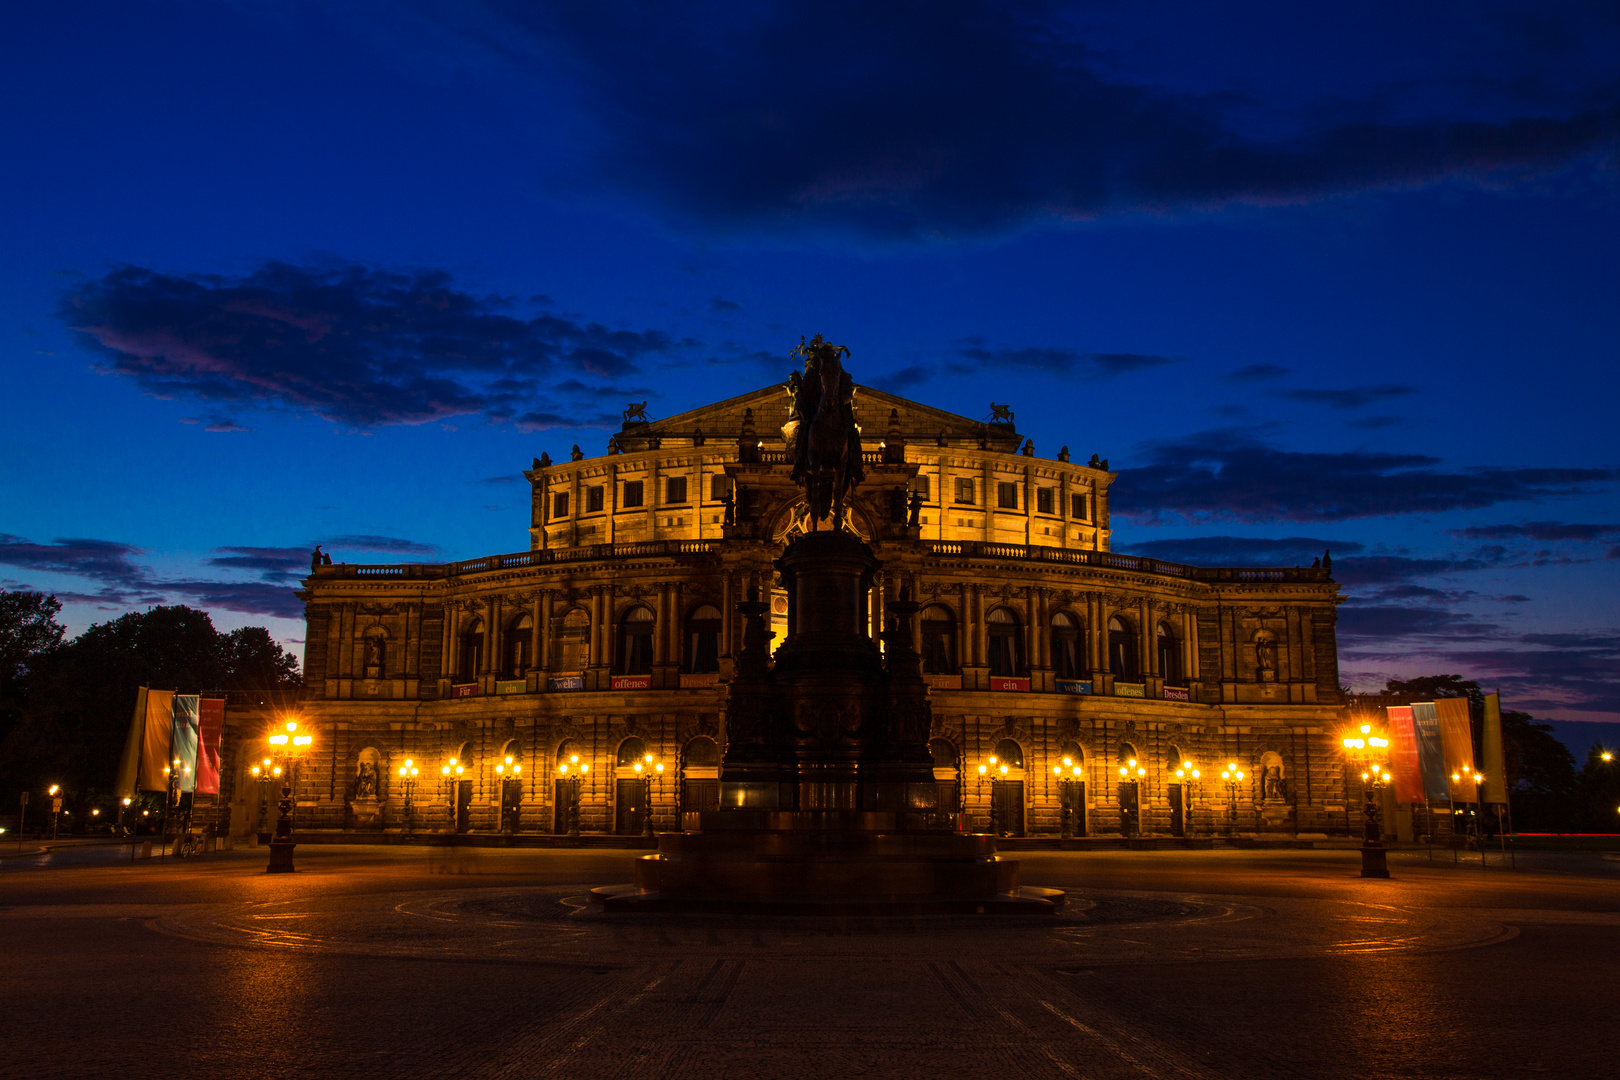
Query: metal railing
{"points": [[640, 549]]}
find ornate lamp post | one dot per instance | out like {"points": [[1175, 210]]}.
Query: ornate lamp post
{"points": [[1189, 778], [265, 773], [1233, 776], [291, 744], [451, 773], [648, 768], [507, 772], [1133, 772], [573, 770], [1370, 750], [407, 778], [1068, 784]]}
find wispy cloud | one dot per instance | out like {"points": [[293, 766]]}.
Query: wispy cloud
{"points": [[359, 345], [1225, 475]]}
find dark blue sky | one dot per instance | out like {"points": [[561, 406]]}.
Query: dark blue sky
{"points": [[280, 273]]}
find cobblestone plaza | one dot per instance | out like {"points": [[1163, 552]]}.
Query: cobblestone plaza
{"points": [[462, 962]]}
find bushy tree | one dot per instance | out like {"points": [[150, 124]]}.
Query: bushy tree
{"points": [[71, 727], [1597, 792]]}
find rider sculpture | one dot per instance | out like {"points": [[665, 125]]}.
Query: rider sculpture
{"points": [[821, 435]]}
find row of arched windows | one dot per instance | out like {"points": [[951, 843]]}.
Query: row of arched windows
{"points": [[570, 644], [1005, 646]]}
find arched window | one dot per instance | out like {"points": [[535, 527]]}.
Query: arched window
{"points": [[944, 752], [631, 751], [472, 651], [1130, 761], [1071, 757], [701, 753], [571, 642], [703, 640], [636, 642], [938, 640], [1122, 657], [519, 642], [1006, 644], [568, 754], [1169, 656], [1066, 646], [1172, 758], [1010, 754]]}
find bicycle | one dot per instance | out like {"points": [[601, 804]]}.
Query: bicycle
{"points": [[187, 843]]}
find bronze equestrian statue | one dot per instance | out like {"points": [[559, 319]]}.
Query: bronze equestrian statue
{"points": [[821, 435]]}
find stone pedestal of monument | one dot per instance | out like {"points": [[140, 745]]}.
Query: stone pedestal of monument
{"points": [[367, 812], [827, 790]]}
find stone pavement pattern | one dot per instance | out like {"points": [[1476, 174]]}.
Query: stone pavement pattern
{"points": [[424, 962]]}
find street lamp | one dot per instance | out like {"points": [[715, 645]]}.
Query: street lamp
{"points": [[1370, 750], [510, 799], [1233, 776], [291, 744], [407, 779], [1068, 784], [648, 768], [573, 770], [451, 772], [265, 772], [56, 806], [1185, 774], [1132, 772]]}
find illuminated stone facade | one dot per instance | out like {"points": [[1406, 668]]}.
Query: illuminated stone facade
{"points": [[612, 637]]}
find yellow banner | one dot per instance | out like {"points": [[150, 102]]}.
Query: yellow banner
{"points": [[1457, 746], [155, 746], [1495, 764]]}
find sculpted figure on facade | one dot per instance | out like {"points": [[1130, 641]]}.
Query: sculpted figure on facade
{"points": [[824, 443]]}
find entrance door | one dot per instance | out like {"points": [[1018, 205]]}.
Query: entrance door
{"points": [[630, 817], [699, 795], [1178, 811], [463, 805], [1130, 812], [1008, 797], [511, 804], [1076, 796], [559, 806]]}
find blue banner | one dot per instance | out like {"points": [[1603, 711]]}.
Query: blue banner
{"points": [[1431, 762], [183, 739]]}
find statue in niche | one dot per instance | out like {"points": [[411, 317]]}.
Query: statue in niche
{"points": [[914, 510], [375, 651], [730, 504], [365, 782], [1275, 788], [1265, 657]]}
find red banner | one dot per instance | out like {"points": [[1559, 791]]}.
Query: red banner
{"points": [[999, 683], [464, 690], [210, 728], [631, 682], [1403, 755]]}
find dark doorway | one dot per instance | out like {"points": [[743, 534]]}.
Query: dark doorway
{"points": [[699, 795], [463, 805], [630, 817], [1007, 799], [511, 804], [1178, 810], [559, 806], [1130, 811], [1074, 794]]}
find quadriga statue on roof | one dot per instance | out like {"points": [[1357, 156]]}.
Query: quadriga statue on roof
{"points": [[821, 435]]}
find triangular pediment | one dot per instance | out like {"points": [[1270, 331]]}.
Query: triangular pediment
{"points": [[876, 411]]}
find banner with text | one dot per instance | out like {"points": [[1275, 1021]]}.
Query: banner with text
{"points": [[1495, 763], [1403, 755], [183, 740], [1436, 777], [210, 729]]}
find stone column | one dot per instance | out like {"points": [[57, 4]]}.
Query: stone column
{"points": [[492, 641], [542, 655]]}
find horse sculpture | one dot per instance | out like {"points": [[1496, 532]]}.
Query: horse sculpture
{"points": [[822, 435]]}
